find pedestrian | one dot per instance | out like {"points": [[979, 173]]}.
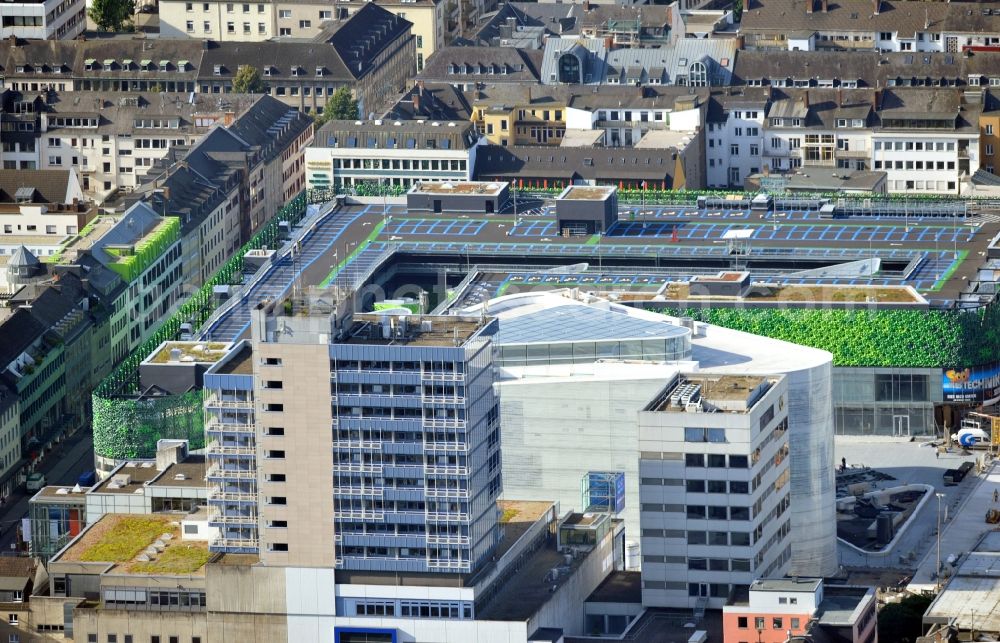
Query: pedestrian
{"points": [[937, 453], [843, 464], [996, 496]]}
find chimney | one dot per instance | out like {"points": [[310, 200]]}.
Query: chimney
{"points": [[809, 5], [805, 98], [740, 42], [877, 6], [876, 99], [416, 99], [823, 6], [586, 6], [840, 93]]}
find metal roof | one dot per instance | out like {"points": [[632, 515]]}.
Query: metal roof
{"points": [[578, 323]]}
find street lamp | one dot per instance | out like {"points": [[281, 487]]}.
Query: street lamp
{"points": [[937, 570]]}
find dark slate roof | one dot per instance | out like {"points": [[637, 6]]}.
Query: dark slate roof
{"points": [[389, 134], [440, 101], [521, 66], [44, 57], [17, 333], [50, 186], [572, 163], [523, 15], [23, 257], [270, 125], [906, 17], [277, 61], [365, 34]]}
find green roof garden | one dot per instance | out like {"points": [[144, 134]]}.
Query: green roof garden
{"points": [[123, 540]]}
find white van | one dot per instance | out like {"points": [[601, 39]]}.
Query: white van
{"points": [[36, 481]]}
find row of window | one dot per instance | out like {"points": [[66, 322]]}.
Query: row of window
{"points": [[414, 609], [128, 638]]}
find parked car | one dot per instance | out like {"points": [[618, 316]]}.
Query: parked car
{"points": [[36, 481]]}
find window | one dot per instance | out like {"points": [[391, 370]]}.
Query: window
{"points": [[716, 460], [795, 624], [734, 150], [758, 623], [12, 619], [777, 623], [285, 13], [112, 638], [305, 24], [742, 622], [694, 459], [989, 130], [695, 486]]}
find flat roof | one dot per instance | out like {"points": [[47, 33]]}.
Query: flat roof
{"points": [[492, 188], [138, 544], [64, 493], [839, 603], [139, 473], [971, 596], [190, 352], [618, 587], [189, 473], [240, 363], [587, 193], [420, 330], [714, 389], [786, 585]]}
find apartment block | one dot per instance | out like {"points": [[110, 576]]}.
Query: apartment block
{"points": [[713, 461], [415, 441], [41, 210]]}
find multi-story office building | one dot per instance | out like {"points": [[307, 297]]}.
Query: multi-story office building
{"points": [[43, 19], [396, 153], [415, 440], [713, 461]]}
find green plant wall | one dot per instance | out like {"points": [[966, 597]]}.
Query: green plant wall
{"points": [[128, 427], [902, 338]]}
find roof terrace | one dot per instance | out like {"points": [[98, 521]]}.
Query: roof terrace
{"points": [[458, 187], [711, 394], [137, 544], [413, 330]]}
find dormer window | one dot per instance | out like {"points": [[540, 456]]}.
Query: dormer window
{"points": [[319, 70], [295, 70], [267, 70], [19, 69], [217, 70], [452, 69]]}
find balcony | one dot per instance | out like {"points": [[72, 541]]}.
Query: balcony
{"points": [[446, 493], [369, 445], [217, 472], [215, 426], [214, 401], [441, 377], [445, 470], [359, 514], [223, 519], [444, 423], [214, 448], [443, 399], [447, 563], [863, 153], [356, 467], [231, 496], [447, 447], [446, 516], [235, 544], [448, 540], [367, 492]]}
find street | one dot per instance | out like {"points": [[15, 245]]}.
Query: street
{"points": [[62, 466]]}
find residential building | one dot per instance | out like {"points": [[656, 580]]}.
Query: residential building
{"points": [[440, 102], [10, 439], [631, 26], [669, 160], [372, 52], [40, 209], [20, 577], [725, 439], [691, 62], [374, 56], [45, 20], [433, 25], [396, 153], [229, 183], [774, 610], [752, 128], [989, 134], [110, 142], [880, 25], [468, 67]]}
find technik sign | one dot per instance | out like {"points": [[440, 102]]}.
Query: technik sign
{"points": [[978, 385]]}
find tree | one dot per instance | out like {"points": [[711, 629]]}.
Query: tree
{"points": [[903, 621], [112, 15], [248, 80], [340, 106]]}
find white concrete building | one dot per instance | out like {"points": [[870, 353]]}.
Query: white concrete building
{"points": [[734, 144], [397, 153], [536, 427], [44, 20], [713, 461]]}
